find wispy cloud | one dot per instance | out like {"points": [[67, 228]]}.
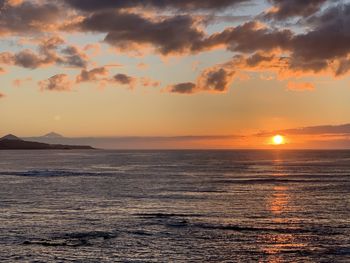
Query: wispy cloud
{"points": [[300, 86], [342, 129], [59, 82]]}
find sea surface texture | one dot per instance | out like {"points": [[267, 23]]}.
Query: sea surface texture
{"points": [[175, 206]]}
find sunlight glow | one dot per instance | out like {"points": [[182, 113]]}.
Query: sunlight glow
{"points": [[278, 140]]}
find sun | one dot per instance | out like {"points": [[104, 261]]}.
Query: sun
{"points": [[278, 140]]}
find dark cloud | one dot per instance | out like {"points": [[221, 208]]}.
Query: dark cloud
{"points": [[28, 59], [124, 79], [343, 67], [216, 80], [93, 5], [28, 17], [73, 57], [328, 40], [59, 82], [101, 75], [181, 34], [323, 45], [92, 75], [183, 88], [249, 37], [257, 58], [50, 51], [212, 80], [284, 9], [25, 58], [174, 34]]}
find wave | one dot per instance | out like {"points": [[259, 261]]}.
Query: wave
{"points": [[72, 239], [166, 215], [51, 173], [179, 220]]}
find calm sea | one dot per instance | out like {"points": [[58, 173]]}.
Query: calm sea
{"points": [[175, 206]]}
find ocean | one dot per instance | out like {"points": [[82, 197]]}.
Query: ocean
{"points": [[175, 206]]}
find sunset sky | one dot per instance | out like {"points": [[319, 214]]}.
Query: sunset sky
{"points": [[230, 73]]}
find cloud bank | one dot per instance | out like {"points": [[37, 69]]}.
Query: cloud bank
{"points": [[318, 43]]}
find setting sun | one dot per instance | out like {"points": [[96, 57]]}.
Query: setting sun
{"points": [[278, 140]]}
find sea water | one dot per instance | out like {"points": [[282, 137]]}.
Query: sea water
{"points": [[175, 206]]}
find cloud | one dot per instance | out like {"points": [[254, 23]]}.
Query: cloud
{"points": [[318, 44], [148, 82], [284, 9], [343, 67], [189, 5], [249, 37], [50, 43], [343, 129], [74, 57], [323, 49], [328, 41], [183, 88], [124, 79], [50, 51], [2, 95], [22, 17], [176, 34], [92, 75], [101, 75], [180, 34], [19, 82], [258, 58], [59, 82], [312, 51], [212, 80], [216, 79], [300, 86], [25, 58], [323, 129]]}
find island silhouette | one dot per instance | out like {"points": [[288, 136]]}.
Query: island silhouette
{"points": [[12, 142]]}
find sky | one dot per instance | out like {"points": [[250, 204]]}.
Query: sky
{"points": [[179, 74]]}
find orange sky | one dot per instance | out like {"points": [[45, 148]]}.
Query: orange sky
{"points": [[238, 68]]}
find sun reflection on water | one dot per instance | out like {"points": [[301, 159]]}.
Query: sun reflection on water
{"points": [[279, 204], [279, 200]]}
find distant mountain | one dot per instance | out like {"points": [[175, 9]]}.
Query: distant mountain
{"points": [[52, 135], [10, 137], [11, 142]]}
